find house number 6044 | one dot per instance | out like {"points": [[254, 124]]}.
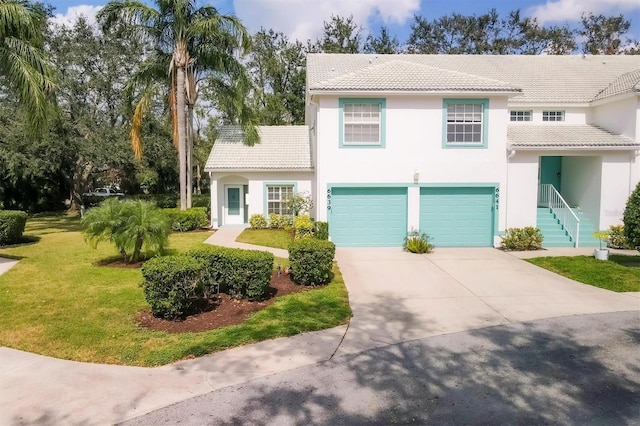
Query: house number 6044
{"points": [[329, 199]]}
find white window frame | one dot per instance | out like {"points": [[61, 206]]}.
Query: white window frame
{"points": [[366, 118], [552, 116], [519, 116], [275, 198], [468, 119]]}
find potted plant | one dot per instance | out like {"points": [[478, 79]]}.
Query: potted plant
{"points": [[601, 253]]}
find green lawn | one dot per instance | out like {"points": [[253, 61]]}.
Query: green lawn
{"points": [[619, 273], [57, 302], [276, 238]]}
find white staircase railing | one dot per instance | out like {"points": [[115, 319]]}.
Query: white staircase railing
{"points": [[548, 196]]}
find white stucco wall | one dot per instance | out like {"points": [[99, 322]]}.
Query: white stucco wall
{"points": [[413, 144], [256, 182], [581, 184], [522, 190], [617, 185], [620, 116]]}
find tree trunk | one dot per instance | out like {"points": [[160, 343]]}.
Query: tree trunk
{"points": [[189, 129], [182, 139]]}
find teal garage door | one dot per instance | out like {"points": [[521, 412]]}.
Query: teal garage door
{"points": [[458, 217], [368, 217]]}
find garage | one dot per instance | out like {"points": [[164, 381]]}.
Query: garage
{"points": [[368, 217], [458, 216]]}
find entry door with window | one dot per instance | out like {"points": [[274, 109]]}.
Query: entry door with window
{"points": [[234, 210]]}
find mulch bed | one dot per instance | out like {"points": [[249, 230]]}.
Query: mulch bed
{"points": [[224, 311]]}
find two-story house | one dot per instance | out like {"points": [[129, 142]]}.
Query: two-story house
{"points": [[460, 147]]}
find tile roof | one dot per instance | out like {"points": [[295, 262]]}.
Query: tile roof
{"points": [[280, 148], [411, 76], [543, 79], [629, 82], [527, 136]]}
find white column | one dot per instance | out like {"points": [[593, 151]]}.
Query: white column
{"points": [[413, 201], [215, 210]]}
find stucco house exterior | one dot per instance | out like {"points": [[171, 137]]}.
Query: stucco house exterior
{"points": [[461, 147]]}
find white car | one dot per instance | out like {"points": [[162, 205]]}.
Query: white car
{"points": [[103, 192]]}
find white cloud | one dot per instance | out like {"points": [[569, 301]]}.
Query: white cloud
{"points": [[571, 10], [74, 12], [303, 19]]}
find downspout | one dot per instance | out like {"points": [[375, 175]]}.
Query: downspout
{"points": [[512, 154]]}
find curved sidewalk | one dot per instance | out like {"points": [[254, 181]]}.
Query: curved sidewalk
{"points": [[6, 264]]}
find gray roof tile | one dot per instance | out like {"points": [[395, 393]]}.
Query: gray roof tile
{"points": [[280, 148], [527, 136], [410, 76], [629, 82], [543, 79]]}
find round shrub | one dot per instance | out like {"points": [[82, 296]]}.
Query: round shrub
{"points": [[631, 218], [311, 261], [520, 239], [12, 223], [173, 285], [258, 221], [280, 221]]}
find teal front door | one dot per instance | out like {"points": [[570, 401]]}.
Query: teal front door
{"points": [[368, 217], [550, 171], [234, 214], [458, 216]]}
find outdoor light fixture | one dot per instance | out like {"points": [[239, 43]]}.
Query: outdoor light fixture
{"points": [[416, 177]]}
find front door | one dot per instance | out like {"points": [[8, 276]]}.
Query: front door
{"points": [[234, 207], [550, 171]]}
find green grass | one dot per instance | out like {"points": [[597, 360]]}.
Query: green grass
{"points": [[277, 238], [619, 273], [57, 302]]}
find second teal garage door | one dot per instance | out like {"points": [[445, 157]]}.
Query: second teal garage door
{"points": [[458, 217], [368, 217]]}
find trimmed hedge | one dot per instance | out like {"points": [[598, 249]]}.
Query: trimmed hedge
{"points": [[173, 285], [258, 221], [303, 227], [12, 223], [187, 220], [240, 273], [617, 238], [311, 261], [631, 219], [321, 230]]}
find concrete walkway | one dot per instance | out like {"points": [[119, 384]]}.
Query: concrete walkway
{"points": [[395, 296], [226, 237], [6, 264]]}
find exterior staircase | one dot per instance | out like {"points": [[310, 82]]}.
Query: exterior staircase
{"points": [[555, 235]]}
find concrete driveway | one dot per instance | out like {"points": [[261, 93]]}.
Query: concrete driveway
{"points": [[398, 296]]}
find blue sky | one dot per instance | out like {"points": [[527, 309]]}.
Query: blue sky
{"points": [[303, 19]]}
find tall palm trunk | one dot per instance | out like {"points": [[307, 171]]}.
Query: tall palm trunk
{"points": [[182, 135], [189, 128]]}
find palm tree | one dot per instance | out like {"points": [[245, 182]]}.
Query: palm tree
{"points": [[22, 60], [189, 45]]}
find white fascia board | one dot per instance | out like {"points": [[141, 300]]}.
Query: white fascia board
{"points": [[614, 98], [365, 93], [548, 104], [308, 169], [573, 148]]}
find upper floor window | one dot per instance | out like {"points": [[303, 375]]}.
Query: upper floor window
{"points": [[277, 195], [520, 115], [362, 122], [552, 115], [465, 123]]}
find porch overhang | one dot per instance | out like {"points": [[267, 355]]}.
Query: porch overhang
{"points": [[566, 137]]}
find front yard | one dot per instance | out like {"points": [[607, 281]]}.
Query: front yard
{"points": [[620, 273], [58, 302], [276, 238]]}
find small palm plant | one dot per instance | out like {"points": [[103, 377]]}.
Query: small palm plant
{"points": [[131, 225]]}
